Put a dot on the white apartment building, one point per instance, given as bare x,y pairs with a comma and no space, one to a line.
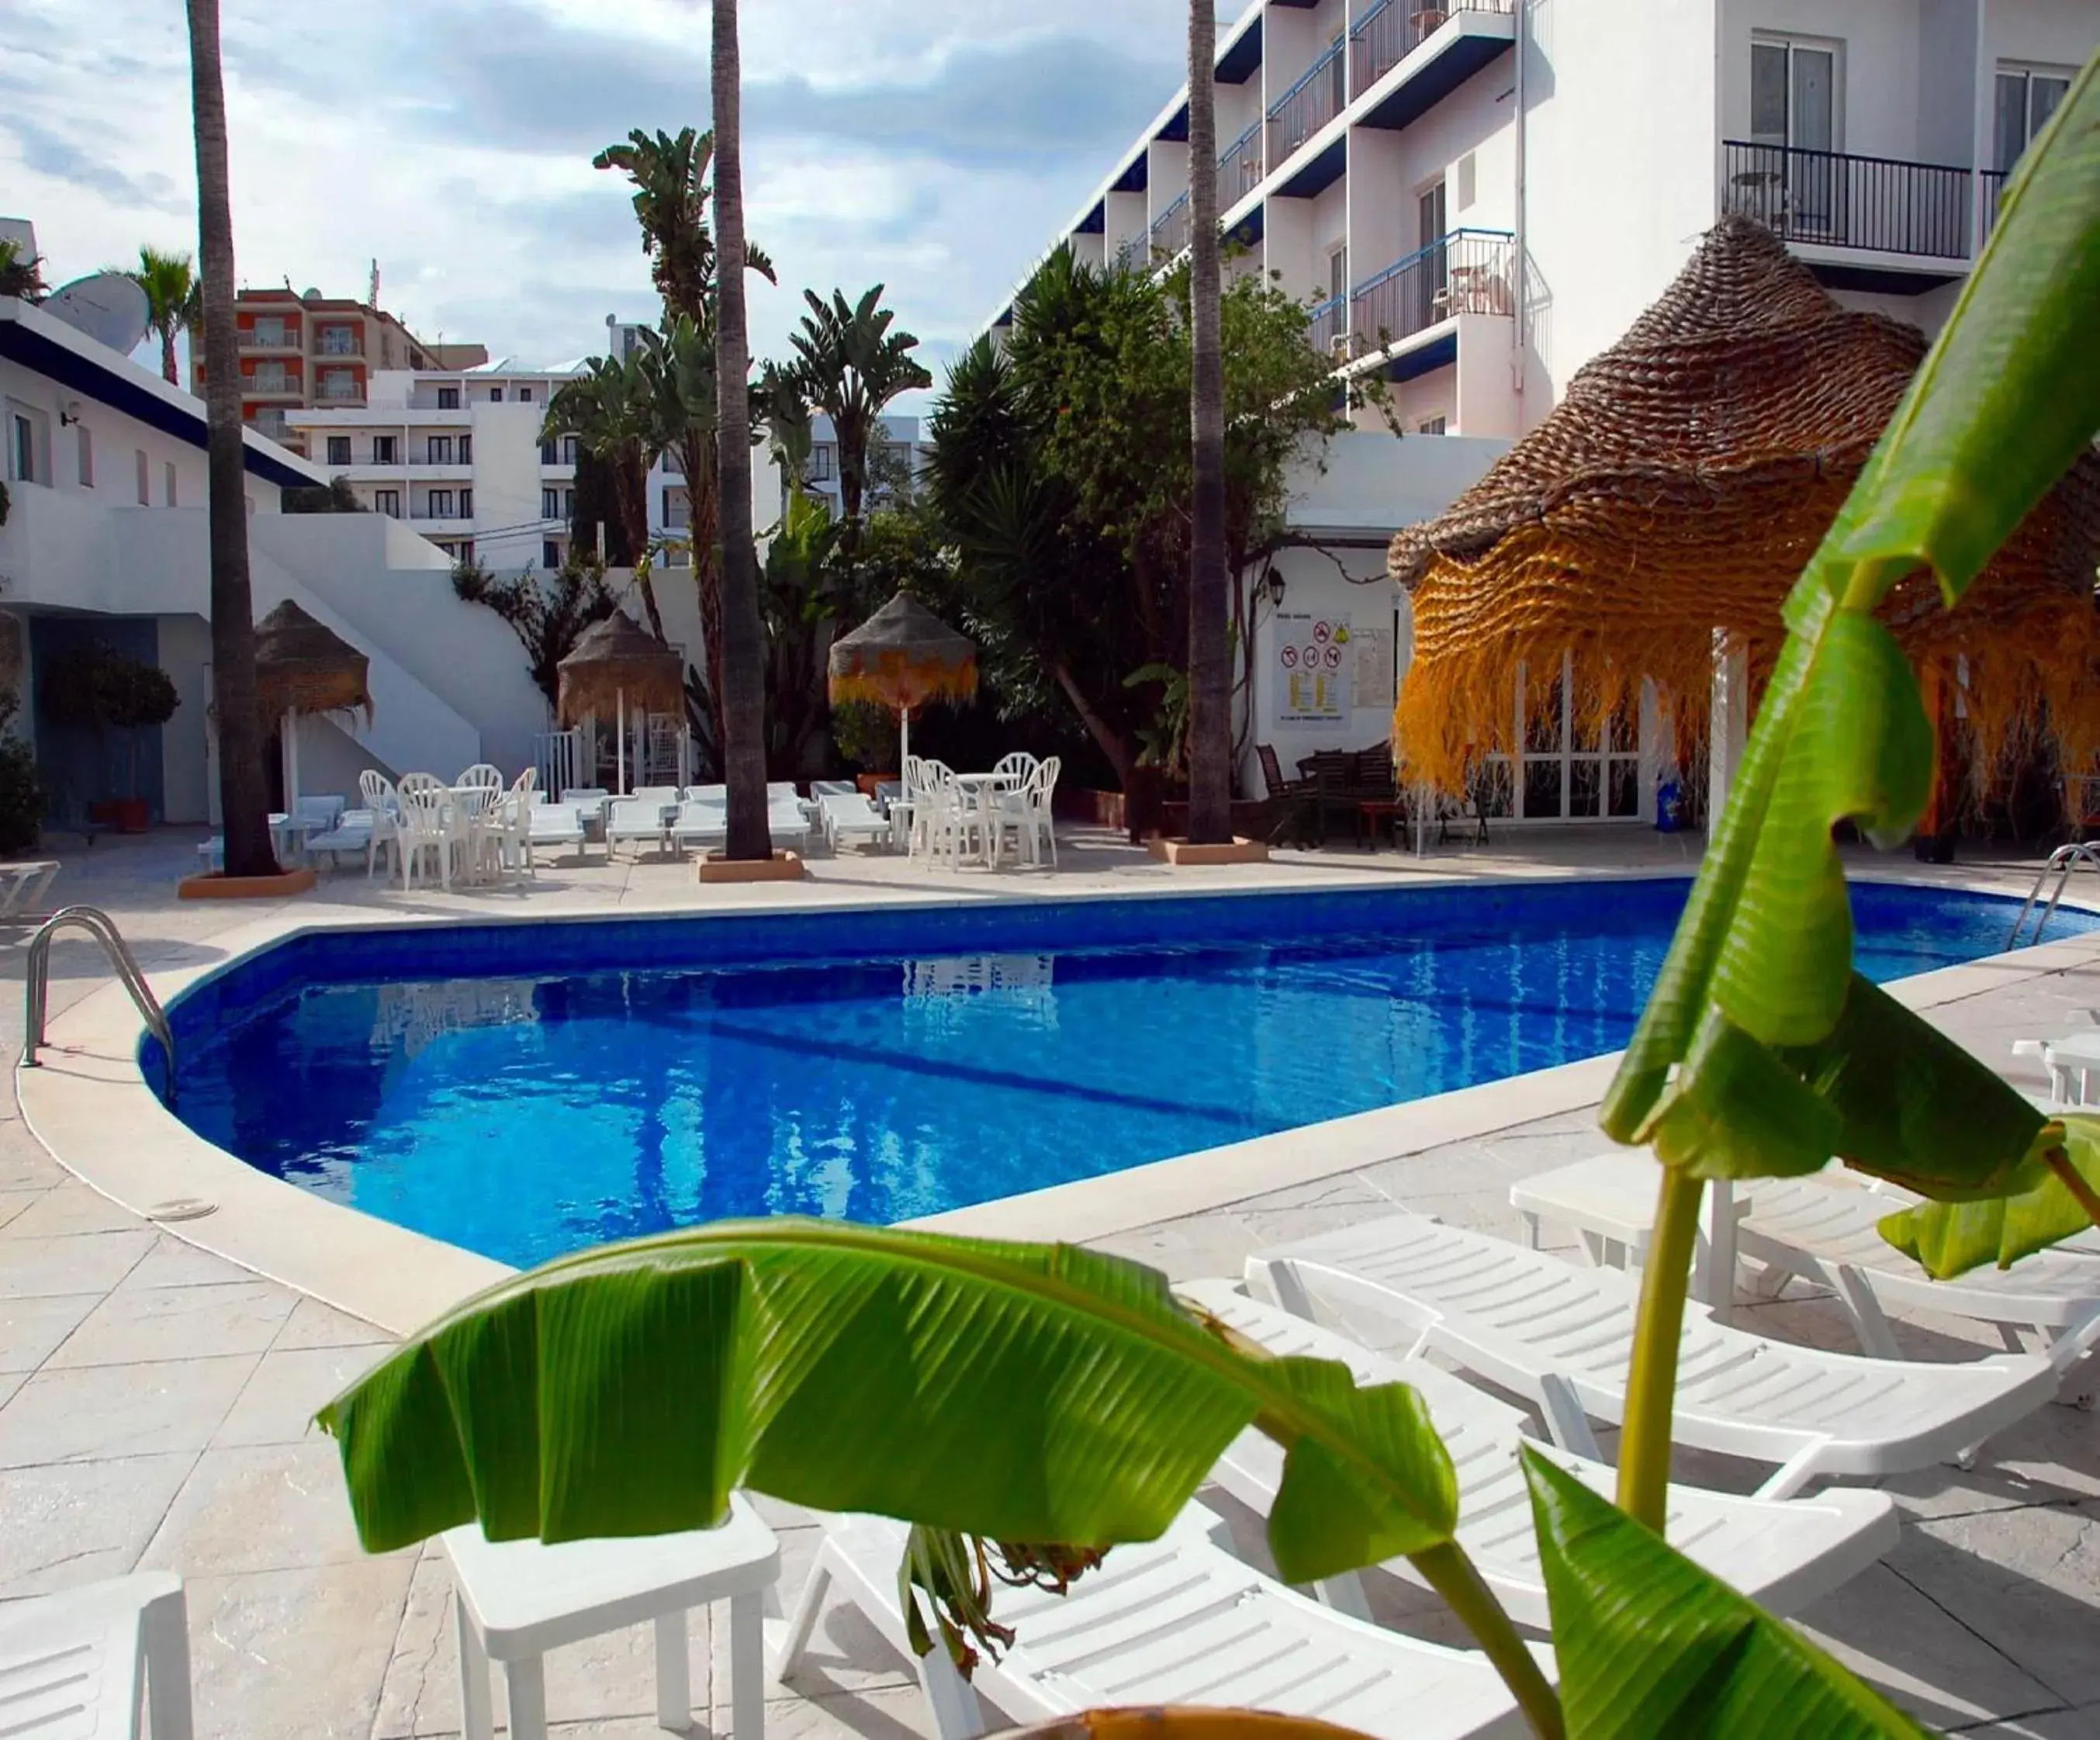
458,455
1475,197
897,453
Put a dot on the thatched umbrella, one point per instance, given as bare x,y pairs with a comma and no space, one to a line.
1679,488
612,660
304,666
903,656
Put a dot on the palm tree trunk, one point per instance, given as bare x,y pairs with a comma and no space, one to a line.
243,791
1210,649
743,650
168,355
852,471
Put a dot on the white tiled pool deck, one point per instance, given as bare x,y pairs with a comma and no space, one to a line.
154,1397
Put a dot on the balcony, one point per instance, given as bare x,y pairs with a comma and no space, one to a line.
1327,327
334,341
1391,30
1468,271
1306,106
1239,169
1994,182
1171,233
265,338
1831,199
1130,255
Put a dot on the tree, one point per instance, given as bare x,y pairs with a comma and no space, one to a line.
334,496
678,367
243,792
21,274
1210,684
671,195
174,301
851,365
743,676
610,409
548,616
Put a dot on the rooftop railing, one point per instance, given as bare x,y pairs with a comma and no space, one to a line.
1239,168
1468,271
1843,201
1391,30
1306,106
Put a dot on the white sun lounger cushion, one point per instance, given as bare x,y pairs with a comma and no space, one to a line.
1783,1554
1518,1318
1180,1621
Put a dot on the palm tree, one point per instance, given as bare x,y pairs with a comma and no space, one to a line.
1210,739
743,650
679,366
851,365
610,410
243,791
175,300
671,195
21,274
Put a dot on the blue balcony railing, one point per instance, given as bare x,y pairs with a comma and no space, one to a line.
1327,328
1468,271
1240,168
1391,30
1306,106
1171,231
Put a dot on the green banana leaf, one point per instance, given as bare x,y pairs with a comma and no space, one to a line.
1650,1647
1947,1239
1026,1392
2009,397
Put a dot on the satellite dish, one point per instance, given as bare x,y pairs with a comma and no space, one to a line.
109,307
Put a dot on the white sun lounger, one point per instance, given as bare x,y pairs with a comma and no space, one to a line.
787,823
700,825
849,816
554,826
73,1666
1522,1318
637,821
1175,1621
22,886
1782,1554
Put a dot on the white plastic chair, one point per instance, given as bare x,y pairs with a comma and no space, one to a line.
483,774
1783,1554
431,822
1175,1621
1024,812
2074,1054
507,832
85,1665
1524,1319
384,801
557,826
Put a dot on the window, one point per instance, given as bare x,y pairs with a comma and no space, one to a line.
22,447
338,383
1430,284
568,504
168,484
1572,769
550,554
550,504
269,377
466,550
448,399
84,440
674,510
568,450
1431,426
438,450
820,463
384,452
269,331
145,480
1794,105
496,395
338,450
467,504
386,501
465,450
340,341
548,451
440,504
2027,97
524,395
1468,182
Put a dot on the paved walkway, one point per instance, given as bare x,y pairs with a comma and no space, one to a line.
153,1403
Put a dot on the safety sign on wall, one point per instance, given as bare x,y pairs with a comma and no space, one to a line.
1314,660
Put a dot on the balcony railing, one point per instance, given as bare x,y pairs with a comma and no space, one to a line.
1994,182
1327,327
336,343
341,392
1391,30
1306,106
1172,231
1131,254
1465,272
264,338
1840,201
1239,169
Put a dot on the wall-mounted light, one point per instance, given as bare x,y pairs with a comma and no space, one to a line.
69,414
1273,581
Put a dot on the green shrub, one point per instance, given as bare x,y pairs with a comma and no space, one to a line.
21,797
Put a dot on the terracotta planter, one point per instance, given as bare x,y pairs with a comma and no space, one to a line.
127,815
868,782
782,866
1250,816
220,887
1239,851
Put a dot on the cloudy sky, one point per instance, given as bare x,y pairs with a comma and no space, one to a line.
933,145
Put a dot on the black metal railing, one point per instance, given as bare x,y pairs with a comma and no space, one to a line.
1841,200
1306,106
1239,168
1391,30
1994,182
1465,272
1172,231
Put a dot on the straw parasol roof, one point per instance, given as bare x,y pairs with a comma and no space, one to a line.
615,658
902,657
1679,488
304,666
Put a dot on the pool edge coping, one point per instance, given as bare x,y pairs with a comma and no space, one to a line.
93,1111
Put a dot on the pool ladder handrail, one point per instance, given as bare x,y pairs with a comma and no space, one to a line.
2062,862
103,928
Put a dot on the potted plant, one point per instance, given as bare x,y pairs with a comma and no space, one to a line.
101,689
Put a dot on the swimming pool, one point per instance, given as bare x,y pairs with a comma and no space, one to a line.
522,1090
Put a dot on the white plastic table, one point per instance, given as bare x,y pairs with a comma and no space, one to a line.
1610,1201
517,1599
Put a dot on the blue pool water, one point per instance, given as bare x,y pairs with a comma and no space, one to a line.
525,1090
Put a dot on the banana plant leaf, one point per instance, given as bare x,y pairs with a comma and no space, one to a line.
1650,1647
1947,1239
1020,1393
1757,996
